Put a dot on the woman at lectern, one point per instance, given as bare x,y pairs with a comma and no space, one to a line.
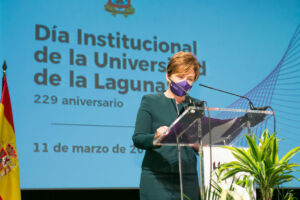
160,172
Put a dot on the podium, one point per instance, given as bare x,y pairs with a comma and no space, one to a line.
202,126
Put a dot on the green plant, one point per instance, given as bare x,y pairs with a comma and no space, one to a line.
288,195
239,187
262,162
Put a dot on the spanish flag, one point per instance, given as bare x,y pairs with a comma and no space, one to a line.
9,164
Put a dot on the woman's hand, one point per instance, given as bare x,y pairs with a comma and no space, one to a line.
195,147
160,131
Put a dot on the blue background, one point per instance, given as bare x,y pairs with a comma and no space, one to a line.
240,41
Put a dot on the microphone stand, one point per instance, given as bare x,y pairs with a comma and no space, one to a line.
250,104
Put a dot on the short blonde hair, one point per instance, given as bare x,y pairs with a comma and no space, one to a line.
183,62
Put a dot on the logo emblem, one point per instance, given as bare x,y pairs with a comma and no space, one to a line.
8,159
119,7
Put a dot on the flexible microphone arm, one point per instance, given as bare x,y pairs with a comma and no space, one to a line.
250,102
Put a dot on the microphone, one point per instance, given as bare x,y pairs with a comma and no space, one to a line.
250,102
195,104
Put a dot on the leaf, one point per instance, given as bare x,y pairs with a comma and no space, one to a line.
262,169
275,172
186,197
290,154
275,151
253,147
249,159
266,147
230,173
292,165
224,194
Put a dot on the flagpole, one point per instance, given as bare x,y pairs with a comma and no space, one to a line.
4,67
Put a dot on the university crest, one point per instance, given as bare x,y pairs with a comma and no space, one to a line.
119,7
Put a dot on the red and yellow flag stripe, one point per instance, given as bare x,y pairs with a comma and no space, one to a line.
9,164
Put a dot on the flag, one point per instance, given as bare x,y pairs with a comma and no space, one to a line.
9,164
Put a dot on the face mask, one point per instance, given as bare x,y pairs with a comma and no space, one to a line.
181,88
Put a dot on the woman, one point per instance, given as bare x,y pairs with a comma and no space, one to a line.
160,177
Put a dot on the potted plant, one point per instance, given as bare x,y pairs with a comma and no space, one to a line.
262,162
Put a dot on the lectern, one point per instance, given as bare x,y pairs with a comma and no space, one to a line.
195,126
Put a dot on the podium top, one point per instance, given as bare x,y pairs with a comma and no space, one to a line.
226,125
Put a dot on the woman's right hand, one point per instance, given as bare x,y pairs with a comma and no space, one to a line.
160,131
